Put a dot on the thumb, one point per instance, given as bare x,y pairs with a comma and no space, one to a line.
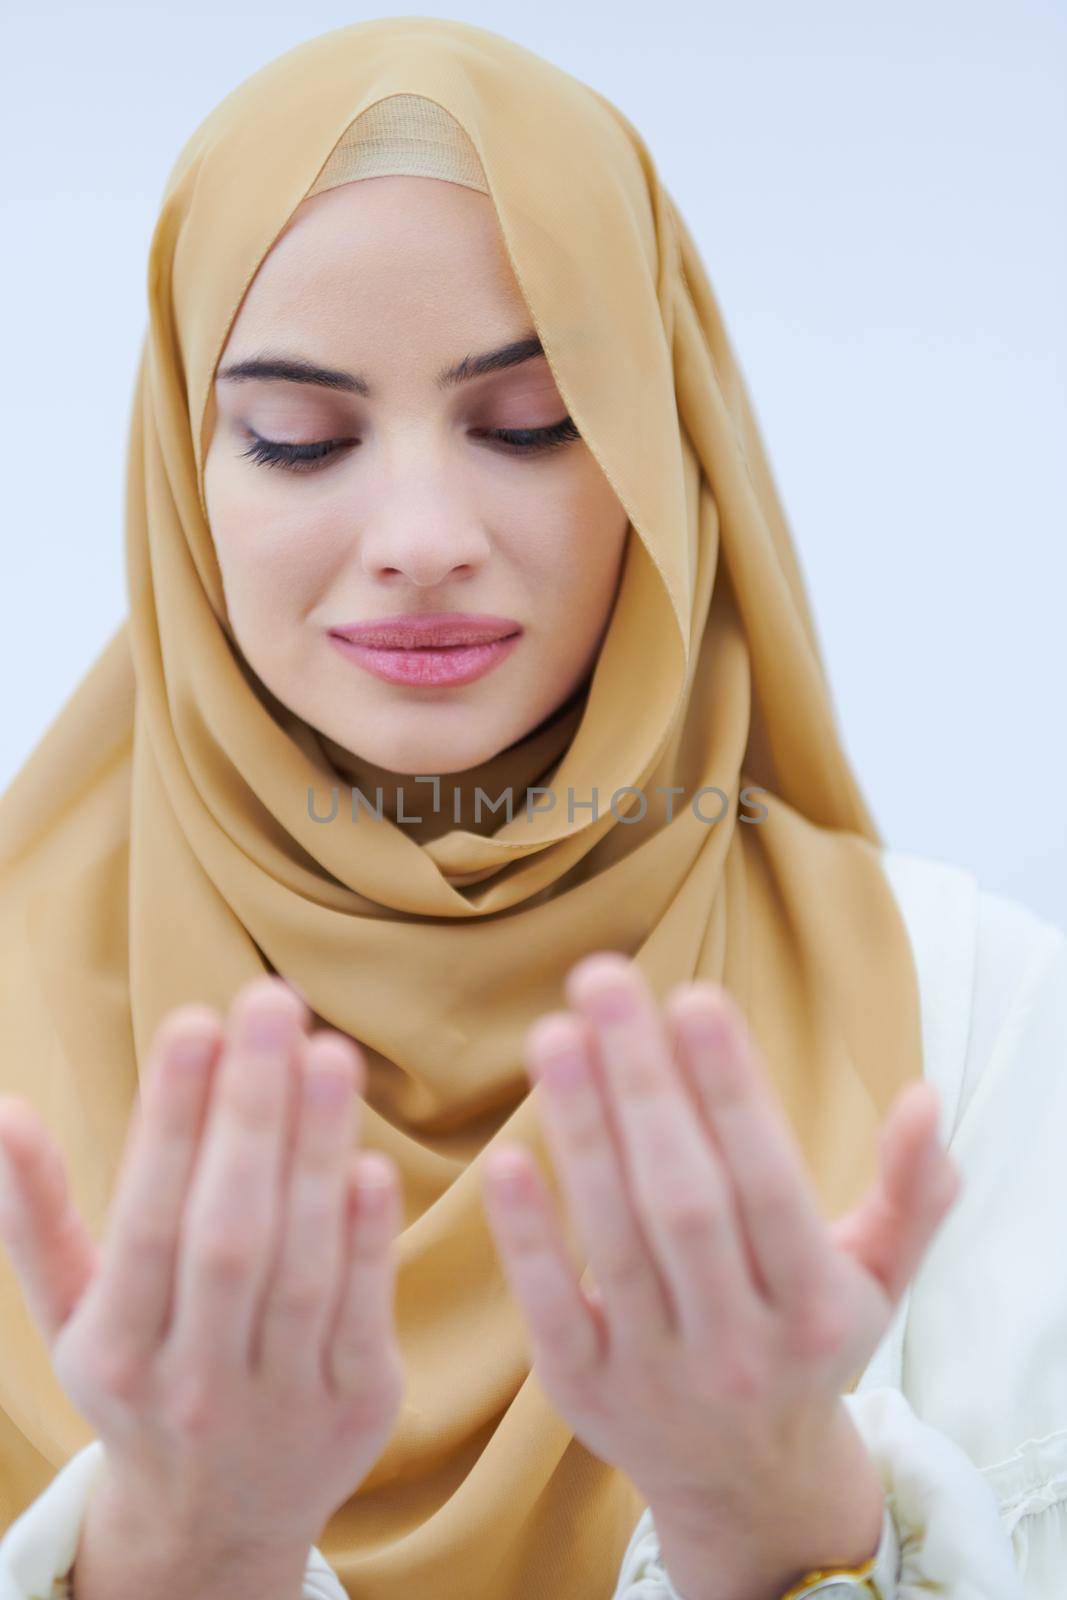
918,1182
47,1238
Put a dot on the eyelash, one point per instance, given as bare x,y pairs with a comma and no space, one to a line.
306,457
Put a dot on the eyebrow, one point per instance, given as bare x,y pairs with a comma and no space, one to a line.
295,369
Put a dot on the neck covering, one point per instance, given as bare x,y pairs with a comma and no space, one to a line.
157,846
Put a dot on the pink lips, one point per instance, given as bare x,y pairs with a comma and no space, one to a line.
431,648
415,629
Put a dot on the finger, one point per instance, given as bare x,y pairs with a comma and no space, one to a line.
302,1287
50,1245
891,1229
787,1239
360,1340
568,1335
132,1295
587,1156
234,1205
680,1189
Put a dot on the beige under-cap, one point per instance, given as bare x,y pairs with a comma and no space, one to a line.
405,133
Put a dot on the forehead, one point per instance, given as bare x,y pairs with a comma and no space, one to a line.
381,256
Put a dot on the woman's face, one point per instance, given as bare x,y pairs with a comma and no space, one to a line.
390,282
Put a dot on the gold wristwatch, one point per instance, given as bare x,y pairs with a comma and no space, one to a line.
876,1579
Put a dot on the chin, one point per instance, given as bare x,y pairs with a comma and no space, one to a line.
432,762
429,754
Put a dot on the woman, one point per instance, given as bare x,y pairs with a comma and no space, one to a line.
277,860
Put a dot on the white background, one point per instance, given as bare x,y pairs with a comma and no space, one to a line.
878,193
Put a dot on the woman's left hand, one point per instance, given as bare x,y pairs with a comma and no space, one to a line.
727,1317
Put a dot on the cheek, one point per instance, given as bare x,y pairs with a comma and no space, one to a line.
274,565
275,551
580,546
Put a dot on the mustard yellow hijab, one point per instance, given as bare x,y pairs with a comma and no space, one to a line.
157,846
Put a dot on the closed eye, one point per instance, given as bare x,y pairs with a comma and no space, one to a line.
308,457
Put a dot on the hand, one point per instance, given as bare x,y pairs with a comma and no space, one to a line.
708,1358
232,1340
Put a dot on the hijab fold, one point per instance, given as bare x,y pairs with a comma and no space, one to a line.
158,846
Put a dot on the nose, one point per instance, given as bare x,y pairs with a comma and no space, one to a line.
425,549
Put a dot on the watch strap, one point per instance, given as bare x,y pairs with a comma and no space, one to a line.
874,1579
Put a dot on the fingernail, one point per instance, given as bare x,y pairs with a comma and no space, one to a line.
563,1069
506,1171
611,1003
266,1030
327,1090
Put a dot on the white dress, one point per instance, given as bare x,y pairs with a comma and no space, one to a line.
964,1404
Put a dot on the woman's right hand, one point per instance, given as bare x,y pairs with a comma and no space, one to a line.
231,1341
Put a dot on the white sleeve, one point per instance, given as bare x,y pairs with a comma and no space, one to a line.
964,1404
38,1549
982,1356
941,1532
